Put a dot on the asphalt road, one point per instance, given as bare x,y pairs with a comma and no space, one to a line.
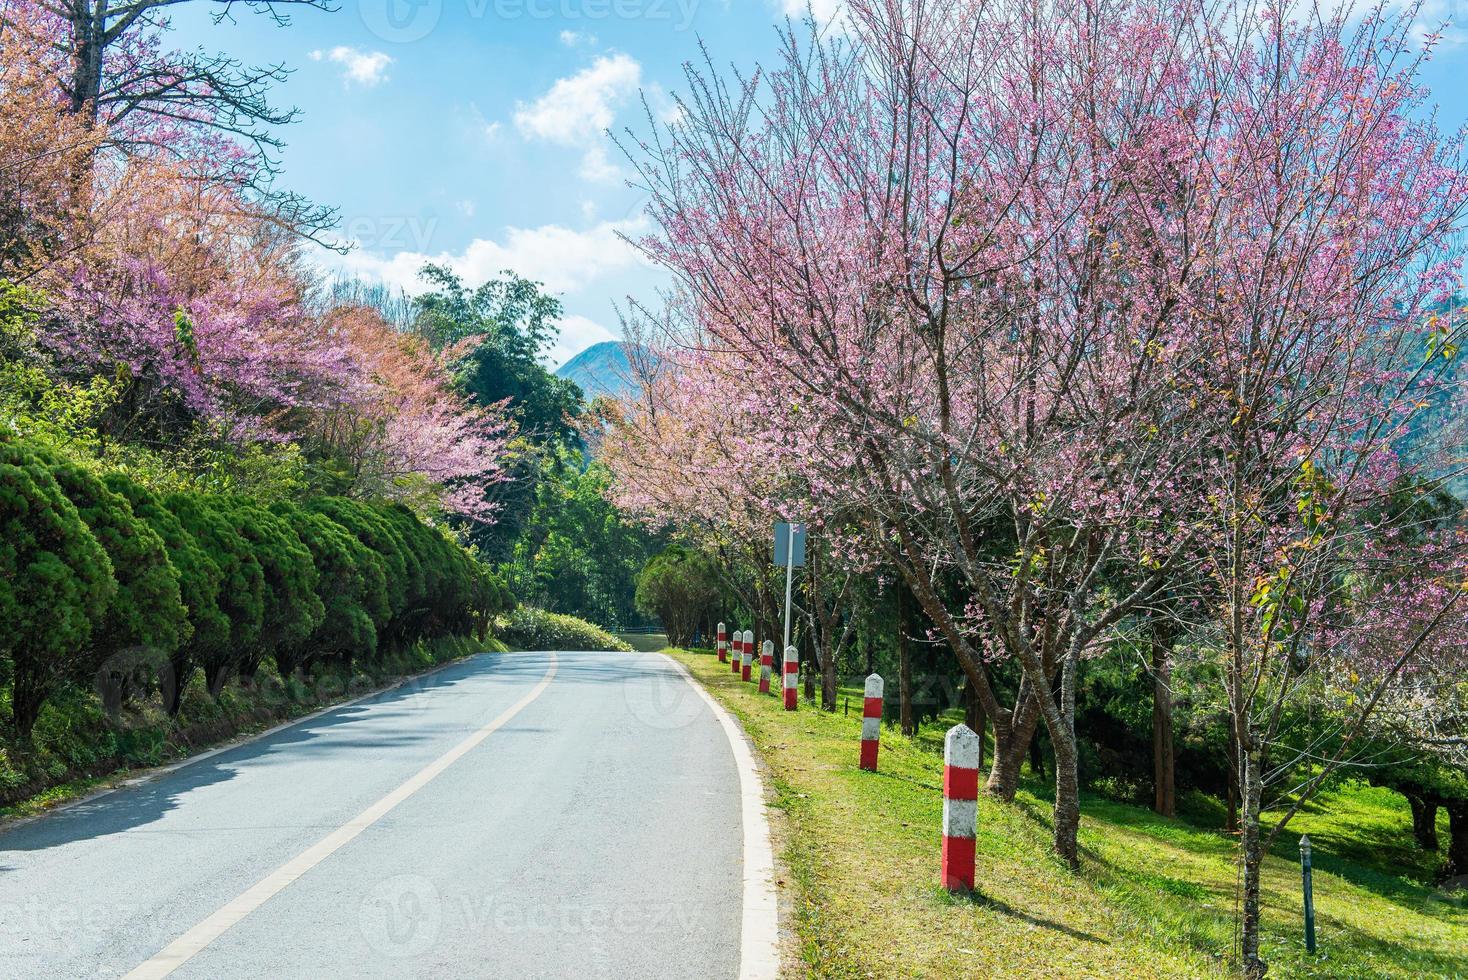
593,833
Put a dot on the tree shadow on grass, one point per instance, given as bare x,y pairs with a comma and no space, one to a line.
980,900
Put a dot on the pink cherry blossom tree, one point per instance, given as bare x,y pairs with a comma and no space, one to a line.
1062,299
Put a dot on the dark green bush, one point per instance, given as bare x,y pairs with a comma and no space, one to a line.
346,587
105,582
146,619
368,525
291,610
198,579
241,585
55,583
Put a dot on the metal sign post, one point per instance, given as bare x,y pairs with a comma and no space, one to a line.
1309,894
789,551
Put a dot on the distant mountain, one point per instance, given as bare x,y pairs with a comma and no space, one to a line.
601,369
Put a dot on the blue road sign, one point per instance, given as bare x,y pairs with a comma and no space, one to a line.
782,544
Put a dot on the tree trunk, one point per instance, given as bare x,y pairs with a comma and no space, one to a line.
1424,822
1013,739
828,680
1037,759
904,663
974,718
25,705
1067,811
1252,792
1457,839
809,671
1164,775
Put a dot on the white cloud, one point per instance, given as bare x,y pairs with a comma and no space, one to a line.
366,68
465,207
578,110
577,333
564,259
575,39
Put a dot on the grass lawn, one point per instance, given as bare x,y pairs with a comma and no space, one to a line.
1154,898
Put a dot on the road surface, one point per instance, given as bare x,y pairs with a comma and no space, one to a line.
515,815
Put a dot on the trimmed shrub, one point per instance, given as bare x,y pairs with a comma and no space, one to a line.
241,585
291,610
345,584
145,619
55,583
369,527
198,579
528,628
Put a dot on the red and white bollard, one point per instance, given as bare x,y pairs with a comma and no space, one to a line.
736,642
792,676
723,645
960,807
766,665
747,647
871,722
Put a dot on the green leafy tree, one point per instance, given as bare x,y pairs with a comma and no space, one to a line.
682,588
578,555
199,579
55,584
497,335
146,619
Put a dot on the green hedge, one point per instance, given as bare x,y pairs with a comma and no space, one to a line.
528,628
104,584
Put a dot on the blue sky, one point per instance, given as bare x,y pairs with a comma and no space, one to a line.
471,131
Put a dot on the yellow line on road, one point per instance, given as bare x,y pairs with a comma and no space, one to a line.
185,947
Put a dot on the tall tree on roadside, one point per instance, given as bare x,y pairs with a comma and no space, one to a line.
495,337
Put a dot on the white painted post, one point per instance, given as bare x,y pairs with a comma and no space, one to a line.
723,645
792,676
960,807
766,665
871,722
747,648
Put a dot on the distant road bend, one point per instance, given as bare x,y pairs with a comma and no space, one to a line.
513,815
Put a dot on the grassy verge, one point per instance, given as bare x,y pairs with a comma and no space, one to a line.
1154,898
77,748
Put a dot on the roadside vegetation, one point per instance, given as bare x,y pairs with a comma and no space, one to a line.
529,628
1154,897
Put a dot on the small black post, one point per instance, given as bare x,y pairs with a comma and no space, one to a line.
1309,894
